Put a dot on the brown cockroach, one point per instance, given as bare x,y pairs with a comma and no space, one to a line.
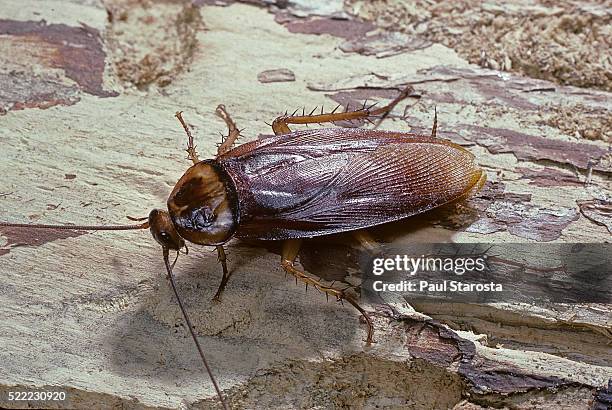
302,184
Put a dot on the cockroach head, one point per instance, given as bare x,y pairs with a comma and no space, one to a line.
163,231
203,205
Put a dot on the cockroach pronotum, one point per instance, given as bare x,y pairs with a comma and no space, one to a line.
301,184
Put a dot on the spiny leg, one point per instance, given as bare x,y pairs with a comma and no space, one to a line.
232,132
191,151
434,129
367,242
281,124
370,244
289,254
226,274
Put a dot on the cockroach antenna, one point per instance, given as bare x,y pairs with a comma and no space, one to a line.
190,326
78,227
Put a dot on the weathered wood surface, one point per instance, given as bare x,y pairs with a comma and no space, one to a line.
87,135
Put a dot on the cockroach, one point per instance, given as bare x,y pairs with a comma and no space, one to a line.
295,185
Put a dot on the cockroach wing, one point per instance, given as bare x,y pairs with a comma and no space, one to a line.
321,182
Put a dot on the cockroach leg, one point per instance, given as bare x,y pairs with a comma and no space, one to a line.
434,129
289,254
367,242
281,124
280,127
370,338
232,131
226,274
192,155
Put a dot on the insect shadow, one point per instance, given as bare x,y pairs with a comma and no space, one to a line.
255,321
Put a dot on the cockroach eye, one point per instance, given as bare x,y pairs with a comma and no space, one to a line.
204,204
163,231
